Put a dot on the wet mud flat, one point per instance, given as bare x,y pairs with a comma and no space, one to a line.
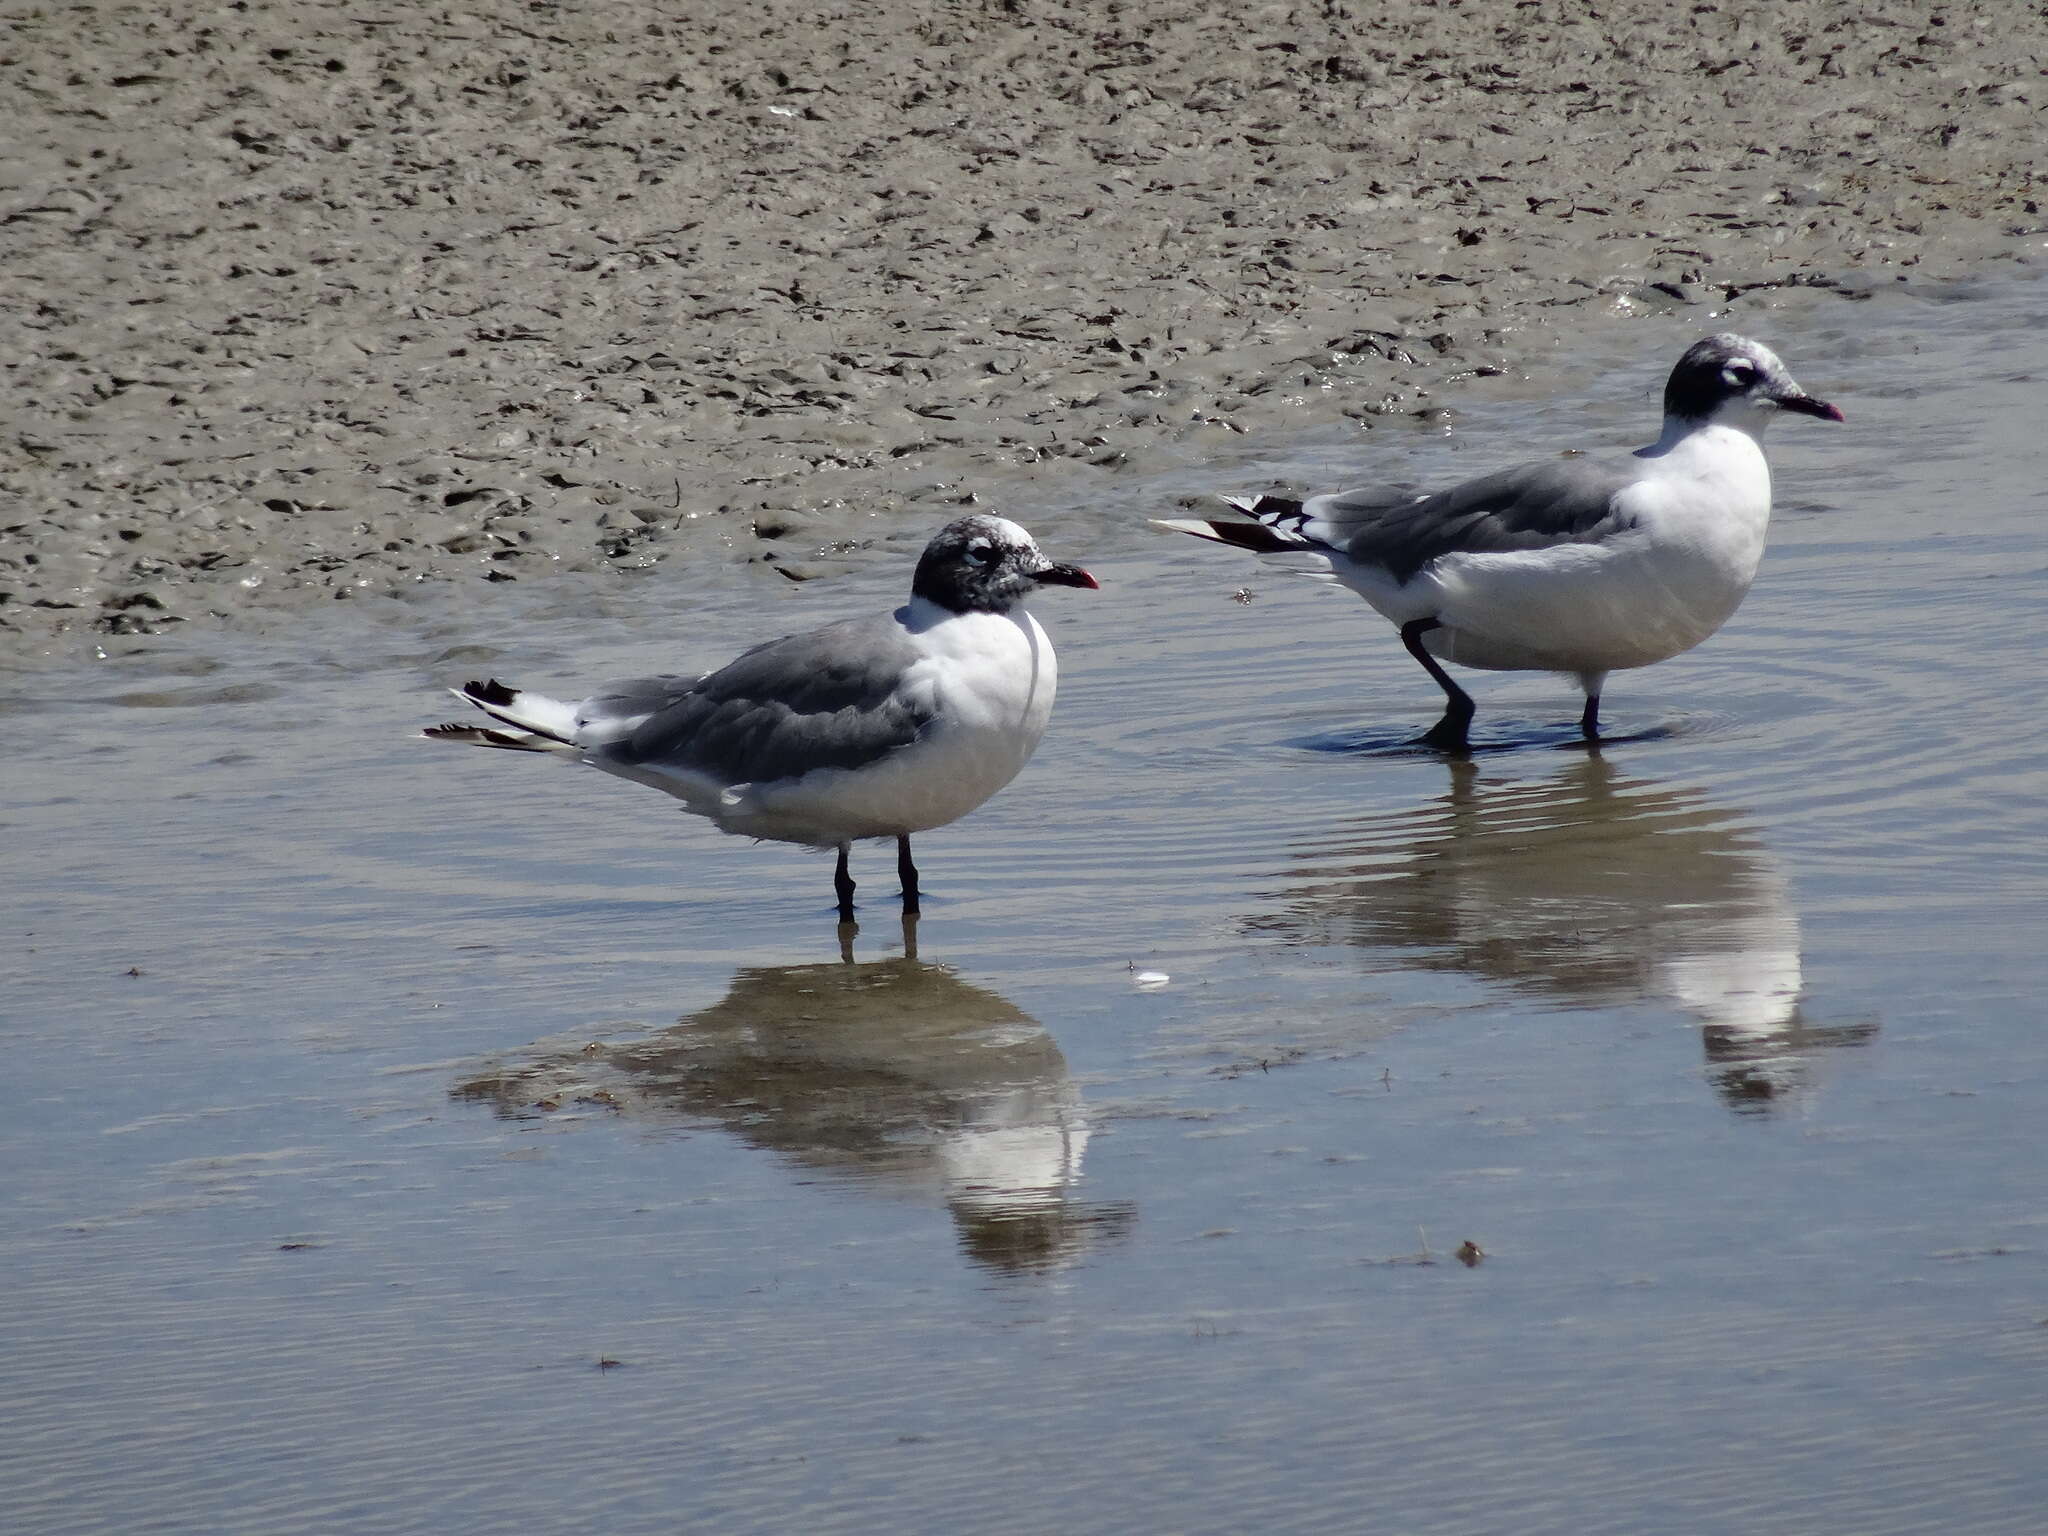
489,1147
307,303
409,1143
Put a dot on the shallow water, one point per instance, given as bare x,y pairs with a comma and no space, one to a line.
416,1140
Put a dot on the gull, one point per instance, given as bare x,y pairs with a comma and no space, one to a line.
871,728
1569,565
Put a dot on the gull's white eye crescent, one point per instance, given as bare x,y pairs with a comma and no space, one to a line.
978,551
1739,375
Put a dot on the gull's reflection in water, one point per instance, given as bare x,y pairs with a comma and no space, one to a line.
891,1074
1588,889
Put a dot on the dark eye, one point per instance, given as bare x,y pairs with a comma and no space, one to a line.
1740,375
979,552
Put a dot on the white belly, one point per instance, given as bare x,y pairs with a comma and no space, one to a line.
1633,599
990,679
1627,603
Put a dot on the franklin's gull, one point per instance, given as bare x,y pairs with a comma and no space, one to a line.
875,727
1570,565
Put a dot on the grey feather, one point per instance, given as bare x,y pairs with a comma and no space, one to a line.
1566,501
827,699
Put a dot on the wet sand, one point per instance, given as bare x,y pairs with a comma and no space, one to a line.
452,1143
308,302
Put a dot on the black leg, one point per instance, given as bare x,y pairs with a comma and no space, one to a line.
1449,734
908,872
842,882
1589,722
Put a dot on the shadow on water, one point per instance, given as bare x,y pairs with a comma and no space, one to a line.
891,1074
1585,889
1510,736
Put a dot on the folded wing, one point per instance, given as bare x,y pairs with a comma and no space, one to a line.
1565,501
833,698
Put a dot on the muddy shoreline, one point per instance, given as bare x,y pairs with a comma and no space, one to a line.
306,301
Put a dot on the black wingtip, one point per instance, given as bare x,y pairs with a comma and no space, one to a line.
482,736
491,692
1266,506
1256,537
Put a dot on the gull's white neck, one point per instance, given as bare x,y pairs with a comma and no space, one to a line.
921,614
1706,485
1723,455
1733,420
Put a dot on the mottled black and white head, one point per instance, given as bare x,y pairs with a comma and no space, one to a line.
987,565
1733,379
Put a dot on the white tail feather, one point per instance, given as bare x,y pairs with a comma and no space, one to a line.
1194,525
529,711
1264,537
491,736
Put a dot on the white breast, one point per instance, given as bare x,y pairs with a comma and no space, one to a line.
1702,510
990,681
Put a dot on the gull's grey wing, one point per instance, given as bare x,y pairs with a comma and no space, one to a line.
1565,501
827,699
634,698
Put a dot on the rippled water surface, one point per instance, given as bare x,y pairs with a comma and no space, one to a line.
406,1139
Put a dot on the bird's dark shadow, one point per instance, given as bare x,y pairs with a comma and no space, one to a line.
1506,736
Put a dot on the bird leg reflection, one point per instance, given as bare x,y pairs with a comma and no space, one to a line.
850,930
